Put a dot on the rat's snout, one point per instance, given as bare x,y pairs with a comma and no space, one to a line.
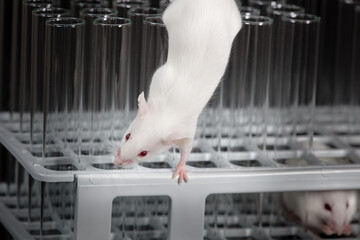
119,160
338,228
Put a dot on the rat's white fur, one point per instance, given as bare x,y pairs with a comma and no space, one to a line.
309,207
201,33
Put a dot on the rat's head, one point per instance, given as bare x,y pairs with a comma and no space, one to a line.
148,135
337,208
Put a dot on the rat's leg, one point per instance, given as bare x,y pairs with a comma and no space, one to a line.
327,230
347,230
181,170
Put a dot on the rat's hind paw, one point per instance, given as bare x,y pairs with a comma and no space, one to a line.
181,171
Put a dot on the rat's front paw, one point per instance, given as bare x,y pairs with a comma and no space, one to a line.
181,171
347,230
327,230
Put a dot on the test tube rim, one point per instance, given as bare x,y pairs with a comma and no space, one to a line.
126,23
112,12
61,12
255,11
311,18
53,22
264,20
146,21
132,13
281,12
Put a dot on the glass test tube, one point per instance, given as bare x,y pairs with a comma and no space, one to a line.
325,86
63,79
90,81
2,40
300,59
25,53
39,16
276,11
247,82
5,53
137,16
355,75
76,6
123,6
154,50
256,76
111,72
15,57
343,57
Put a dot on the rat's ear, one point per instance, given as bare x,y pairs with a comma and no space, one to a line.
142,104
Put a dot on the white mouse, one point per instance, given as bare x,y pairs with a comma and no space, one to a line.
328,212
200,33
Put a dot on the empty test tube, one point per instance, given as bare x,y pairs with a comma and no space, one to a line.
247,83
123,6
15,57
137,16
111,61
300,43
344,52
329,20
154,50
39,16
2,40
276,89
5,43
355,74
90,14
25,56
63,79
90,103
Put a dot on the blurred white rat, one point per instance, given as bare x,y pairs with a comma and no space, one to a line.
328,212
201,33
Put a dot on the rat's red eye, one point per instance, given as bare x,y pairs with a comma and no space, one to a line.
347,205
127,136
143,154
327,207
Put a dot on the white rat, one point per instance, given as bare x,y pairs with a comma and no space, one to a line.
201,33
329,212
